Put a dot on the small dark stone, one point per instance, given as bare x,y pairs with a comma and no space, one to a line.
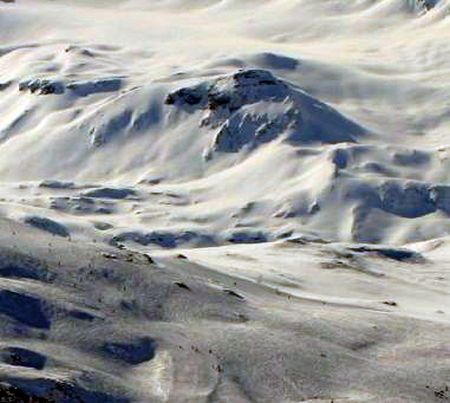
109,256
149,259
233,294
182,285
82,315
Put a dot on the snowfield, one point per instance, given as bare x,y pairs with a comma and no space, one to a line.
225,200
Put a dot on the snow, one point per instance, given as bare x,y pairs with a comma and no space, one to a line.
225,200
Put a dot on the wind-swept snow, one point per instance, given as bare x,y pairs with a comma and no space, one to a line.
225,200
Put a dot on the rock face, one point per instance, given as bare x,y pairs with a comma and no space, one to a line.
134,352
424,4
25,309
165,239
252,107
48,225
42,87
110,193
86,88
22,357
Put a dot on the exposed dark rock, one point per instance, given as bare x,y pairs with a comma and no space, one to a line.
410,200
234,294
182,285
82,315
86,88
42,87
45,390
399,254
53,184
164,239
11,394
5,85
22,357
24,308
247,237
48,225
189,96
110,193
426,4
17,265
109,256
133,352
82,205
252,107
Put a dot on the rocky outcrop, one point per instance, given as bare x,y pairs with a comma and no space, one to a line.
252,107
425,4
42,86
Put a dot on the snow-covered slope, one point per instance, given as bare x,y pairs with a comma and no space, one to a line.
355,125
206,127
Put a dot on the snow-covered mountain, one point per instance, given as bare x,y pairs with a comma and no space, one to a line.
278,149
